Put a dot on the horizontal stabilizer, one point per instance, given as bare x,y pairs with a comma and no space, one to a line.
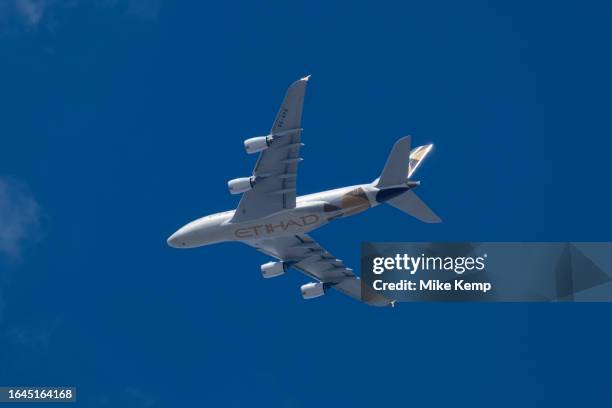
411,204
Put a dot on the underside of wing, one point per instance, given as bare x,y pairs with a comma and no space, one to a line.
307,256
274,176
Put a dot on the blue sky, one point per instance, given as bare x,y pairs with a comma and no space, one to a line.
123,119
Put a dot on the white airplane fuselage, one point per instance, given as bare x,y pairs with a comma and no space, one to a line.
311,212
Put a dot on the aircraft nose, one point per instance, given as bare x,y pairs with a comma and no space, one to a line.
175,240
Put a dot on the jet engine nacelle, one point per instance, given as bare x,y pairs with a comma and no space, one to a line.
273,269
313,289
240,185
257,144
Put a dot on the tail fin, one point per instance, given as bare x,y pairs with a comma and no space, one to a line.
411,204
398,162
417,155
401,165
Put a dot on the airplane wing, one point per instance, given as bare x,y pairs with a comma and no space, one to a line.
308,257
276,168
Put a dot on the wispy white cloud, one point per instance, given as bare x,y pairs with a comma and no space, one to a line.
32,14
17,16
19,217
32,11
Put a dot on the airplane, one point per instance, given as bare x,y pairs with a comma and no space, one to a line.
272,219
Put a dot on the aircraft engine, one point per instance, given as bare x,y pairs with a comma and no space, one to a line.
273,269
313,289
240,185
257,144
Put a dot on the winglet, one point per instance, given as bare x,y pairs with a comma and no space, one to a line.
306,78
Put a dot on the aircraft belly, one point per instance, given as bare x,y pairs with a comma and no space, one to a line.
353,201
289,223
312,212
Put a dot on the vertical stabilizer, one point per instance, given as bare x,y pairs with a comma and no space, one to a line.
417,155
398,162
